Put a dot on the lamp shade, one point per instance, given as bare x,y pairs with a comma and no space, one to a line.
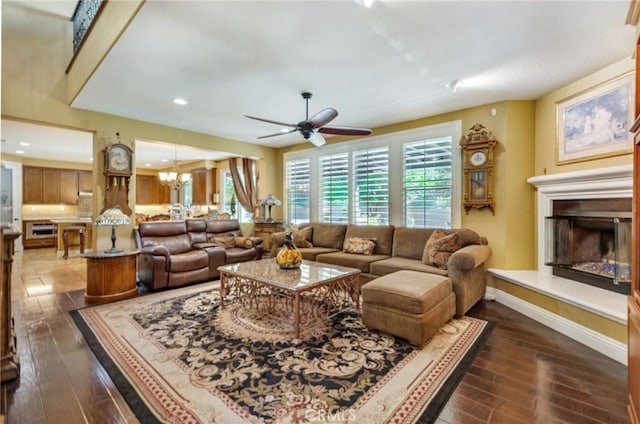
113,216
270,200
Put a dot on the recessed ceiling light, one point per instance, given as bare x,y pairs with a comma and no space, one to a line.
20,152
164,160
24,143
147,164
180,101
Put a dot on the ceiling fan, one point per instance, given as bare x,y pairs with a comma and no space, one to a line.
313,128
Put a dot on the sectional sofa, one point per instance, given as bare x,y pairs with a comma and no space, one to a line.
396,249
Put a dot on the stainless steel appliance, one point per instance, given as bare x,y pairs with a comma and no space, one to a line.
40,230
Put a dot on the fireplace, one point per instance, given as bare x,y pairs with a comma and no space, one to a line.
584,226
589,240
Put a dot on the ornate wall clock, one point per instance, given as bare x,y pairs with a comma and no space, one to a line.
477,148
118,168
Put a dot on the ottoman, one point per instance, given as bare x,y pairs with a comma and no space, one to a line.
408,304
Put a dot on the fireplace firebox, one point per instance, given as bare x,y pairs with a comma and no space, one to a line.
590,241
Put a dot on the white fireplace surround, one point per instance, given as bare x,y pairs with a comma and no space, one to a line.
601,183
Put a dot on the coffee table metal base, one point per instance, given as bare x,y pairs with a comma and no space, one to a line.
318,302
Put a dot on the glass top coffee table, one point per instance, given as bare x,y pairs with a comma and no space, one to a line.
313,291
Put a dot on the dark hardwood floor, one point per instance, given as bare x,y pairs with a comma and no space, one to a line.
526,373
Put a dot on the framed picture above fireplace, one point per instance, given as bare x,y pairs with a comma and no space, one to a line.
595,123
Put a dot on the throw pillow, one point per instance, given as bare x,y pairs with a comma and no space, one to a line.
302,238
224,241
359,245
439,249
245,242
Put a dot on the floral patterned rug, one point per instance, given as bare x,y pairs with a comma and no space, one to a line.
177,357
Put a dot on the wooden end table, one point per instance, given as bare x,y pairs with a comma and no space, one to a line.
111,276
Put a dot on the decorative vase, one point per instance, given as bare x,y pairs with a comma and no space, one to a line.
289,257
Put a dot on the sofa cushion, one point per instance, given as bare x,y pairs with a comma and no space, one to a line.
239,254
302,238
467,236
382,234
328,235
410,242
245,242
398,263
439,249
351,260
359,245
188,261
310,253
225,241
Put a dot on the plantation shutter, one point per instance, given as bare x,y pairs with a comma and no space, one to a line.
371,187
298,179
334,188
427,183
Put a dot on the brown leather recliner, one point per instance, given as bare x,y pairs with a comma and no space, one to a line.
171,257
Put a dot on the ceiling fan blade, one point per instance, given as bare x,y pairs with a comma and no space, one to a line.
286,124
323,117
317,139
279,133
345,130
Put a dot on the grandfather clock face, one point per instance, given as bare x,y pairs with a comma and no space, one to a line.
118,160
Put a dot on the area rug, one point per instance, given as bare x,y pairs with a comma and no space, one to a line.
177,357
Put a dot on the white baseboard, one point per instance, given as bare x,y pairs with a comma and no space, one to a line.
597,341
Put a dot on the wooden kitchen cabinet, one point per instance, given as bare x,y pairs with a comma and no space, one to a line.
68,186
32,191
50,186
85,181
149,191
53,185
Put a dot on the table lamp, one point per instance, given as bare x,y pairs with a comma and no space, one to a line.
270,201
113,217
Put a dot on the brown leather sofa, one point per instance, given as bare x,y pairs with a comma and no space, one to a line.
177,253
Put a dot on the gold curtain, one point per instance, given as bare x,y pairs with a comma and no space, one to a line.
247,190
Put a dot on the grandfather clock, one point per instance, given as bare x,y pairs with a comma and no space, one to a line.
477,148
118,168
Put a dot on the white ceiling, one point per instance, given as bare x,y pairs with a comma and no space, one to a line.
377,66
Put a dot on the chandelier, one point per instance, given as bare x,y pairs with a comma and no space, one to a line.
175,179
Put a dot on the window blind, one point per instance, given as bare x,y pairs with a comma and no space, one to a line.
371,187
427,183
334,188
298,179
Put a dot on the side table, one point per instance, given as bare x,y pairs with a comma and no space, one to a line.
111,276
264,229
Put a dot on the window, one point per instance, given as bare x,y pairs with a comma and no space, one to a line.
230,202
298,183
334,188
427,183
371,187
408,178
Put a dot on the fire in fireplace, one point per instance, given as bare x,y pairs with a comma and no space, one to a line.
590,241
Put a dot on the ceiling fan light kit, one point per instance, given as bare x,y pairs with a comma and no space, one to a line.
313,128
